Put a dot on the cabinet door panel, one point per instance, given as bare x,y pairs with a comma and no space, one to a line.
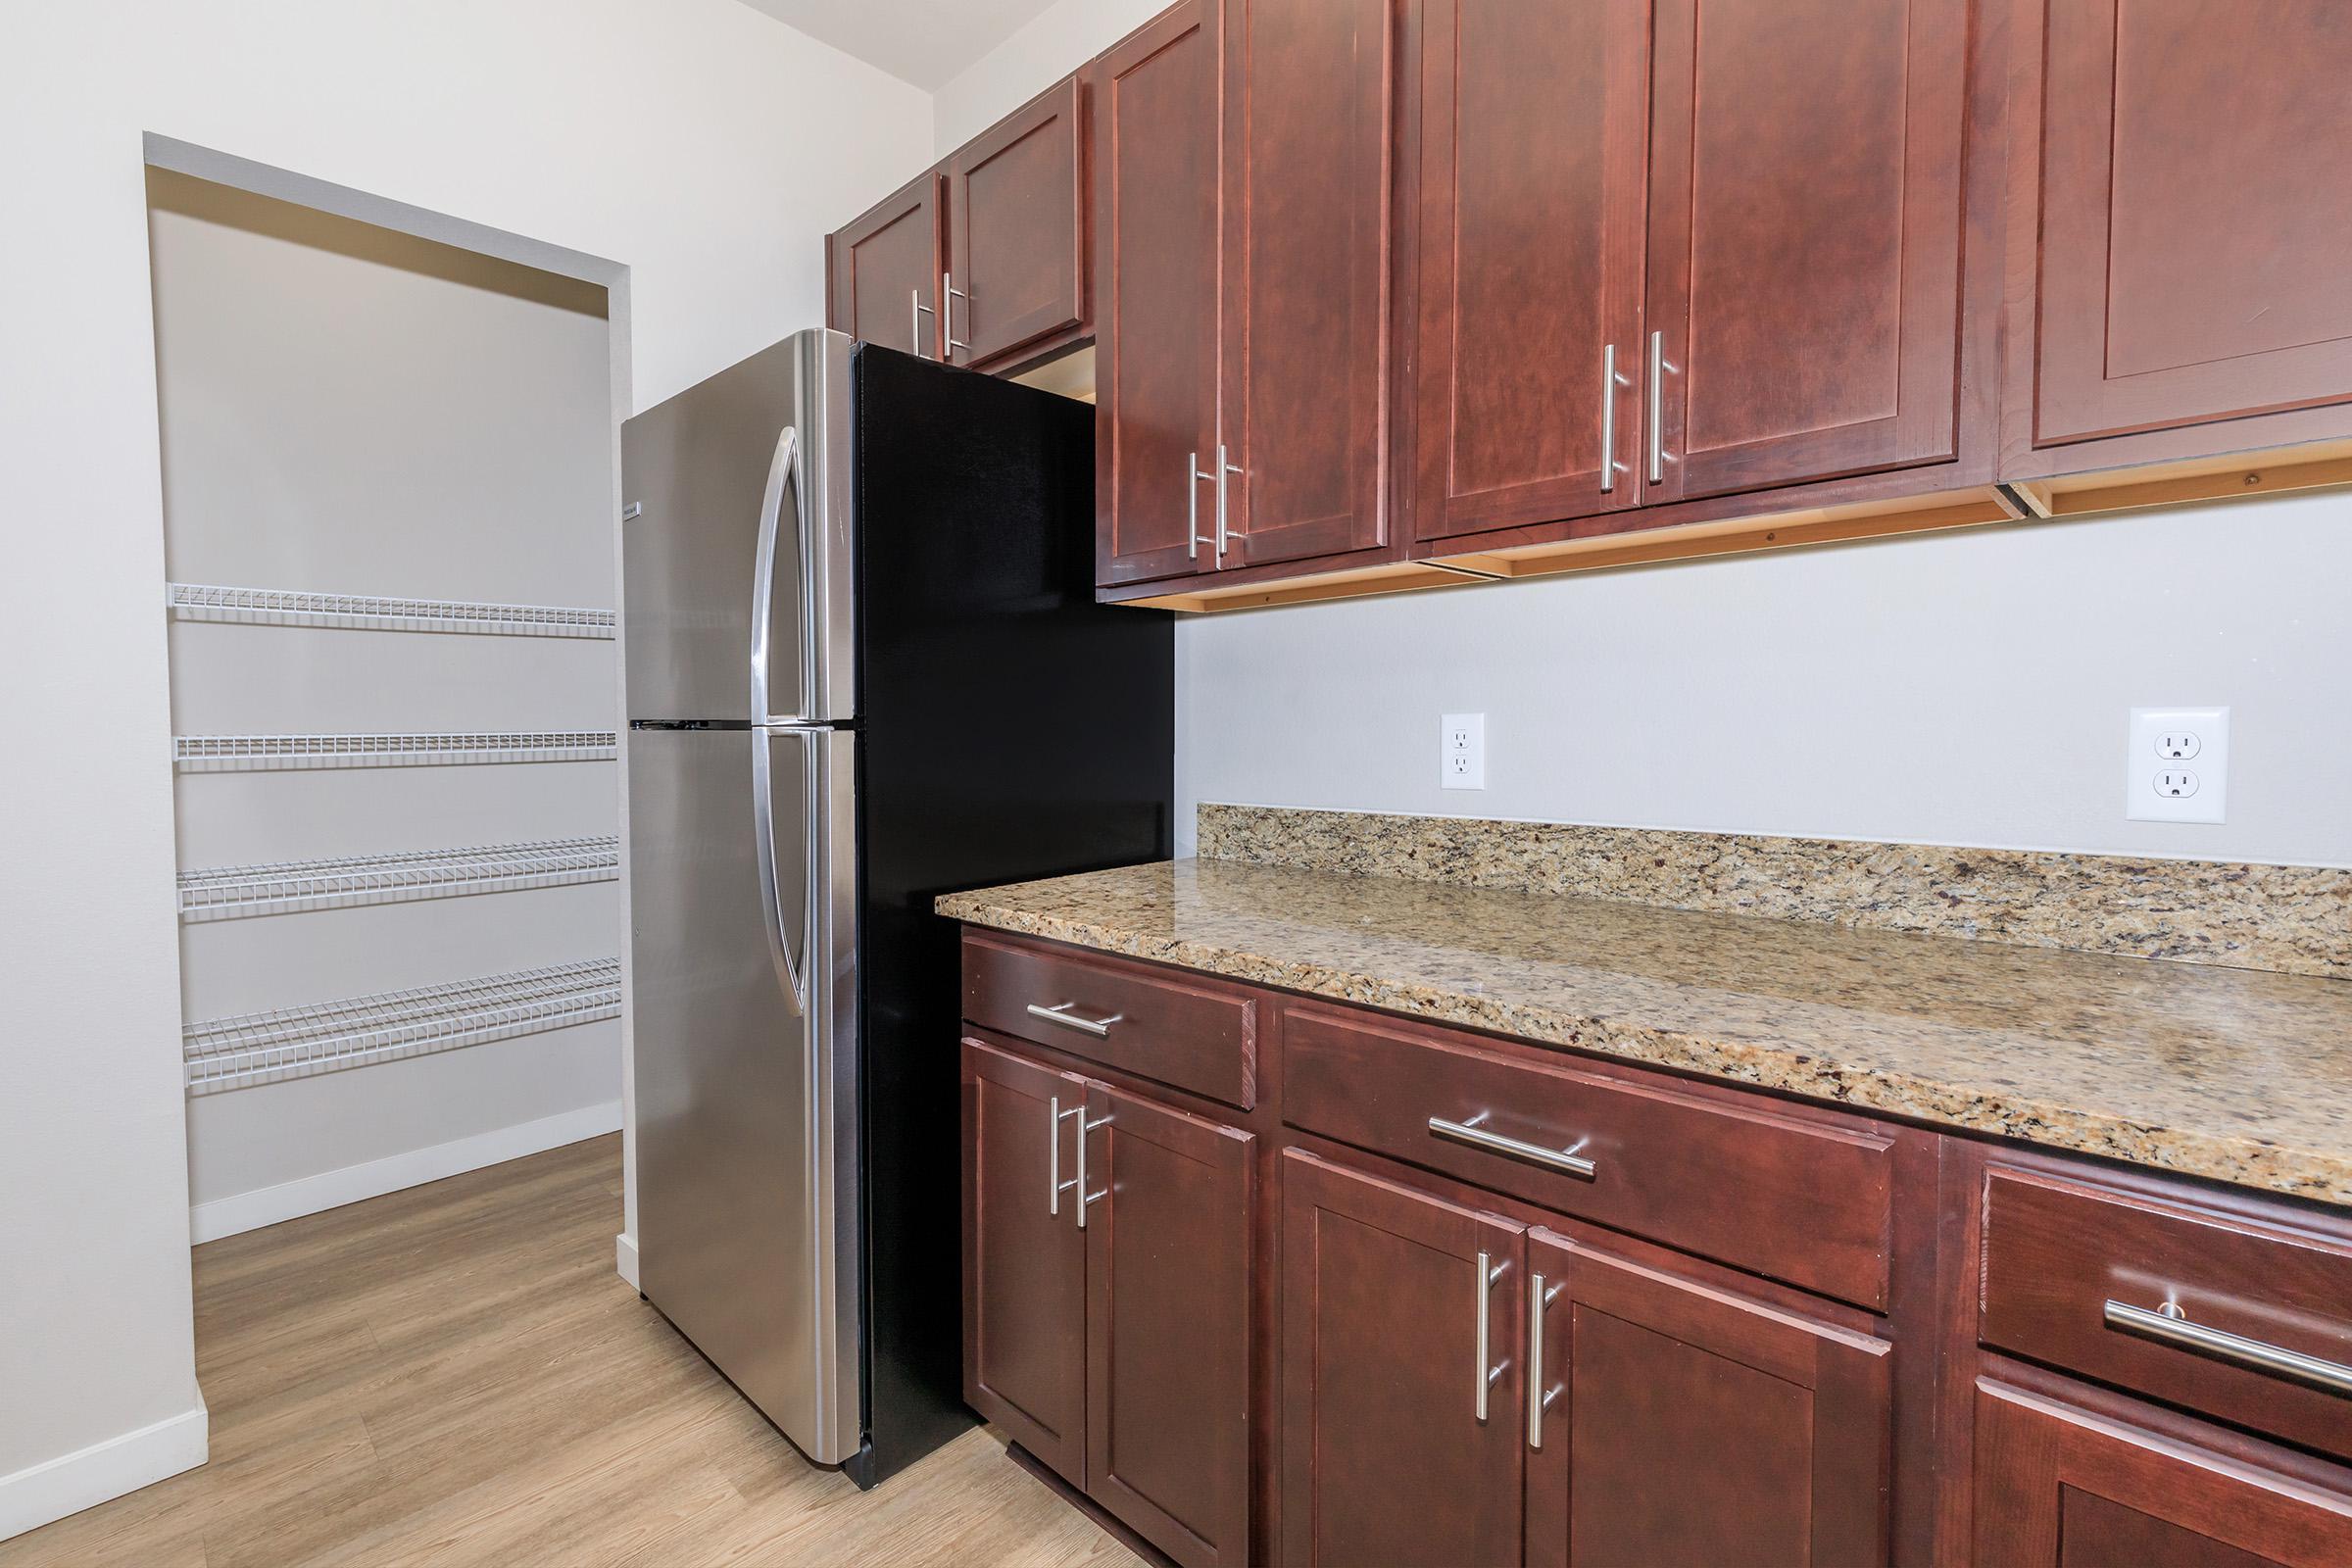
1687,1425
1157,196
886,272
1168,1327
2191,268
2060,1487
1024,1265
1806,238
1534,125
1016,223
1384,1459
1309,97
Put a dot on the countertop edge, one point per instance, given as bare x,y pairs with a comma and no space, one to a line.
2256,1165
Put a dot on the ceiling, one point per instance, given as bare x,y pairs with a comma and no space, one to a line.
921,41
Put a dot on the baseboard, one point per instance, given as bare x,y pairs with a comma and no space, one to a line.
87,1477
624,1257
268,1205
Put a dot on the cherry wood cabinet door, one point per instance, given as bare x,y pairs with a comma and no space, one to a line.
1167,1265
1156,234
2062,1488
1024,1256
886,270
1806,225
1387,1457
1016,230
1681,1424
2197,227
1535,124
1310,95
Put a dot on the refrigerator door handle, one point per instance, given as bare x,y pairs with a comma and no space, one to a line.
783,472
792,969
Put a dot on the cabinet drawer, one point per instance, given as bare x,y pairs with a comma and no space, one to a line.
1197,1036
2058,1252
1805,1201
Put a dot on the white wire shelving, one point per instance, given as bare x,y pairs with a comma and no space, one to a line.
290,607
291,886
241,754
259,1048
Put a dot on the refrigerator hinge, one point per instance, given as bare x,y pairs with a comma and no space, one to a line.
629,513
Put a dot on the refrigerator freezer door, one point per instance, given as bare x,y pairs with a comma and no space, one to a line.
745,1095
736,564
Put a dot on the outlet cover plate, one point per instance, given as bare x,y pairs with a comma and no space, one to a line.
1462,752
2177,765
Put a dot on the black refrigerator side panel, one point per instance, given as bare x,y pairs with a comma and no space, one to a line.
1013,729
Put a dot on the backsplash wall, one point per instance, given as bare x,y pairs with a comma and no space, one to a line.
1967,688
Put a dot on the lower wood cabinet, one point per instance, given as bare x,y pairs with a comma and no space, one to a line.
1680,1423
2060,1486
1107,1296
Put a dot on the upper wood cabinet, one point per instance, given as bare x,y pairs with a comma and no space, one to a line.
1806,225
2182,163
1310,89
1532,159
886,268
1157,237
1016,272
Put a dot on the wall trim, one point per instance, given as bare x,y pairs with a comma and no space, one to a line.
269,1206
41,1494
624,1257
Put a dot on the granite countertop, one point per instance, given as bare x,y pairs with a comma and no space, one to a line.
2238,1075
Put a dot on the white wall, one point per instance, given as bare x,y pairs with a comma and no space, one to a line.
699,144
1059,39
1964,688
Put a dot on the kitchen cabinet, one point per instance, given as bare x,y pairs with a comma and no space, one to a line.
1107,1278
2188,245
1401,1321
1532,168
2060,1487
885,272
1158,225
1805,240
1016,276
1309,99
1680,1423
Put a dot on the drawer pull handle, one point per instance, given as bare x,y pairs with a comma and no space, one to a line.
1477,1137
2171,1327
1066,1014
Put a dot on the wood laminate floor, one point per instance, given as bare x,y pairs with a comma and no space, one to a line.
454,1375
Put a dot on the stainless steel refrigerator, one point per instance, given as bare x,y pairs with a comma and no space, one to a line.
864,666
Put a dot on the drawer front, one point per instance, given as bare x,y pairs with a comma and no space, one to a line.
1200,1037
1801,1202
2058,1252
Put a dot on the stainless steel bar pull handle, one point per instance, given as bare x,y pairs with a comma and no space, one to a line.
1489,1271
1083,1196
1191,506
2171,1326
915,316
1657,405
949,294
1476,1136
1225,470
1610,381
1054,1185
1061,1012
1539,1397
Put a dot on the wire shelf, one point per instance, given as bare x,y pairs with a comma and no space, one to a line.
259,1048
222,754
291,886
287,607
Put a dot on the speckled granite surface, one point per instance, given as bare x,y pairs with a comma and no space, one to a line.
2234,1074
2294,920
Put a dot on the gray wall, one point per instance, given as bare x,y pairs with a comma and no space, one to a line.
1963,688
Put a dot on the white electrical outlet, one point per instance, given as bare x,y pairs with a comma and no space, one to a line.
2177,766
1462,752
